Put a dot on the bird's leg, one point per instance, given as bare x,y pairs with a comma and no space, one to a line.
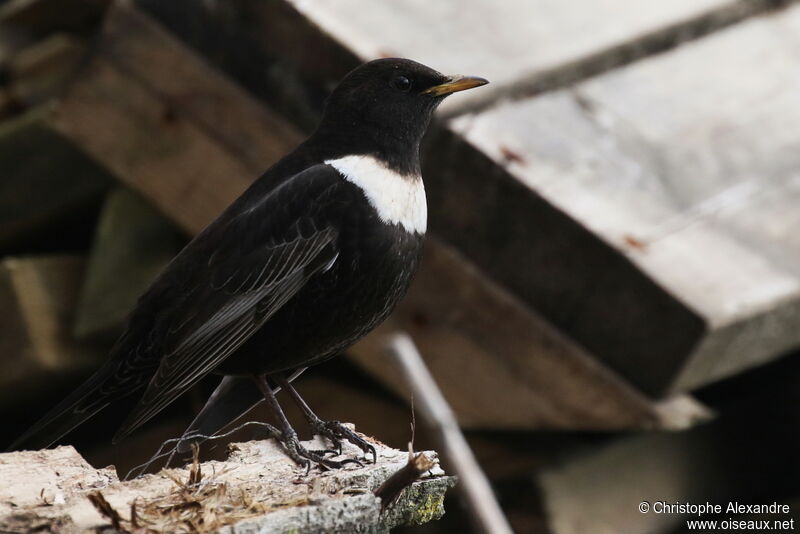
333,430
288,437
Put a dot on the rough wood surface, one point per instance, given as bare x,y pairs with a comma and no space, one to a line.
256,489
654,206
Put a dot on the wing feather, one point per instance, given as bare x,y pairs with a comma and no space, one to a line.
245,311
246,281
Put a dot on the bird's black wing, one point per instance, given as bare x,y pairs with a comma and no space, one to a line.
211,298
260,259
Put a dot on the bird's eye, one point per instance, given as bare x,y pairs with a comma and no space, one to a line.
401,83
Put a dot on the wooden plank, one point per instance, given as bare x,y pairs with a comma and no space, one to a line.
141,48
496,41
40,70
33,193
270,48
652,208
489,352
132,244
168,138
38,295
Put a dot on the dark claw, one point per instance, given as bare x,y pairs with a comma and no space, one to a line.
305,457
336,432
325,452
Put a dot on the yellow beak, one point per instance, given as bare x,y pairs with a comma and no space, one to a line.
455,84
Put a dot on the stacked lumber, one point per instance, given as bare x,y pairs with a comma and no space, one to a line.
612,220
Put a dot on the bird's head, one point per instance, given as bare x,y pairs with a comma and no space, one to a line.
390,101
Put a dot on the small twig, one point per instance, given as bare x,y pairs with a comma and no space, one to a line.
418,464
107,511
442,421
195,473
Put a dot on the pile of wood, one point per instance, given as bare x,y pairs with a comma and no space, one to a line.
613,219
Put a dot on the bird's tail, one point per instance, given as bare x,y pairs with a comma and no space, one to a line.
79,406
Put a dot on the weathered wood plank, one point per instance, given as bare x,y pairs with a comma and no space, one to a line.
166,136
132,244
498,41
138,46
651,206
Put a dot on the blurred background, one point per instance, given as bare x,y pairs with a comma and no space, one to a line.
610,292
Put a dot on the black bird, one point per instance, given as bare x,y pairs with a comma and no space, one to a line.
310,258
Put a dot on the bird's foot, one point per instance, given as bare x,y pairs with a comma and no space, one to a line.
308,458
336,432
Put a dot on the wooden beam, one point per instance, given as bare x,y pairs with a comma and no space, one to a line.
191,141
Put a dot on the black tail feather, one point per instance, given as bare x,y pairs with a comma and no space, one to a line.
86,401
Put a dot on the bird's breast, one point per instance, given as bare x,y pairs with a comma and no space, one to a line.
398,199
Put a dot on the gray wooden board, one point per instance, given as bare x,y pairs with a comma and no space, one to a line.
498,40
685,166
